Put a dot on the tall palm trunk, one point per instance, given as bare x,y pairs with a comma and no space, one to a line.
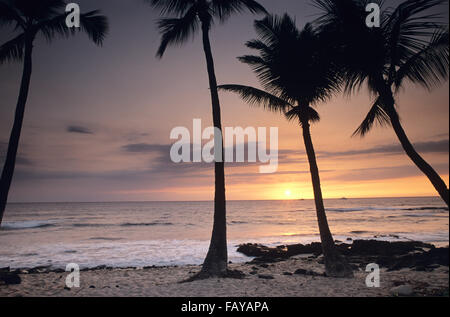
217,258
426,168
10,162
335,263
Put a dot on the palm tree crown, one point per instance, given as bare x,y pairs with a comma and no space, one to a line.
191,14
292,66
410,45
43,17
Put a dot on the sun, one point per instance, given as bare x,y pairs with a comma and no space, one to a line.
288,193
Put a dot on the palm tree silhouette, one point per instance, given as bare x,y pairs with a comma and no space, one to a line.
192,15
31,18
411,44
296,73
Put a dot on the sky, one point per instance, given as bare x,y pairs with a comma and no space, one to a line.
98,121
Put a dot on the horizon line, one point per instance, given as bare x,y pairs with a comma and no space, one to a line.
195,201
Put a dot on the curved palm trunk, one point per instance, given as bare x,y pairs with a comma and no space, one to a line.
426,168
10,162
216,260
335,264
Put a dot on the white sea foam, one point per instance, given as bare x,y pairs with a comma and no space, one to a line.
177,233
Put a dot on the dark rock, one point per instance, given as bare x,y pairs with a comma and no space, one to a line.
253,272
392,255
435,256
149,267
236,274
266,277
307,272
40,269
374,247
264,265
402,290
10,278
287,273
258,250
92,286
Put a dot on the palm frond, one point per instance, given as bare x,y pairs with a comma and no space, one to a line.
273,28
39,10
176,31
408,28
252,60
55,26
258,97
92,23
178,7
12,50
223,9
257,45
95,26
9,15
303,114
429,67
376,115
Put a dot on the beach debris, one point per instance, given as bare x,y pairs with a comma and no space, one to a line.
402,290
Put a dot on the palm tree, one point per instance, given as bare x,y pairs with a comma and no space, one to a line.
31,18
411,45
192,15
296,74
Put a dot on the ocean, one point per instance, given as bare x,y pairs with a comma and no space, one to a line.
138,234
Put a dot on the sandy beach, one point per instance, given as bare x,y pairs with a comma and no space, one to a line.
261,280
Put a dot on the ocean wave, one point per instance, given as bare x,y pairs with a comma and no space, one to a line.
22,225
105,238
345,209
82,225
129,224
350,209
426,208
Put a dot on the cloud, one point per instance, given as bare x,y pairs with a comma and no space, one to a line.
146,148
78,129
441,146
384,173
21,159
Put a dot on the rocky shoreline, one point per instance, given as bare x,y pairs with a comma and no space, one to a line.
391,255
408,268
